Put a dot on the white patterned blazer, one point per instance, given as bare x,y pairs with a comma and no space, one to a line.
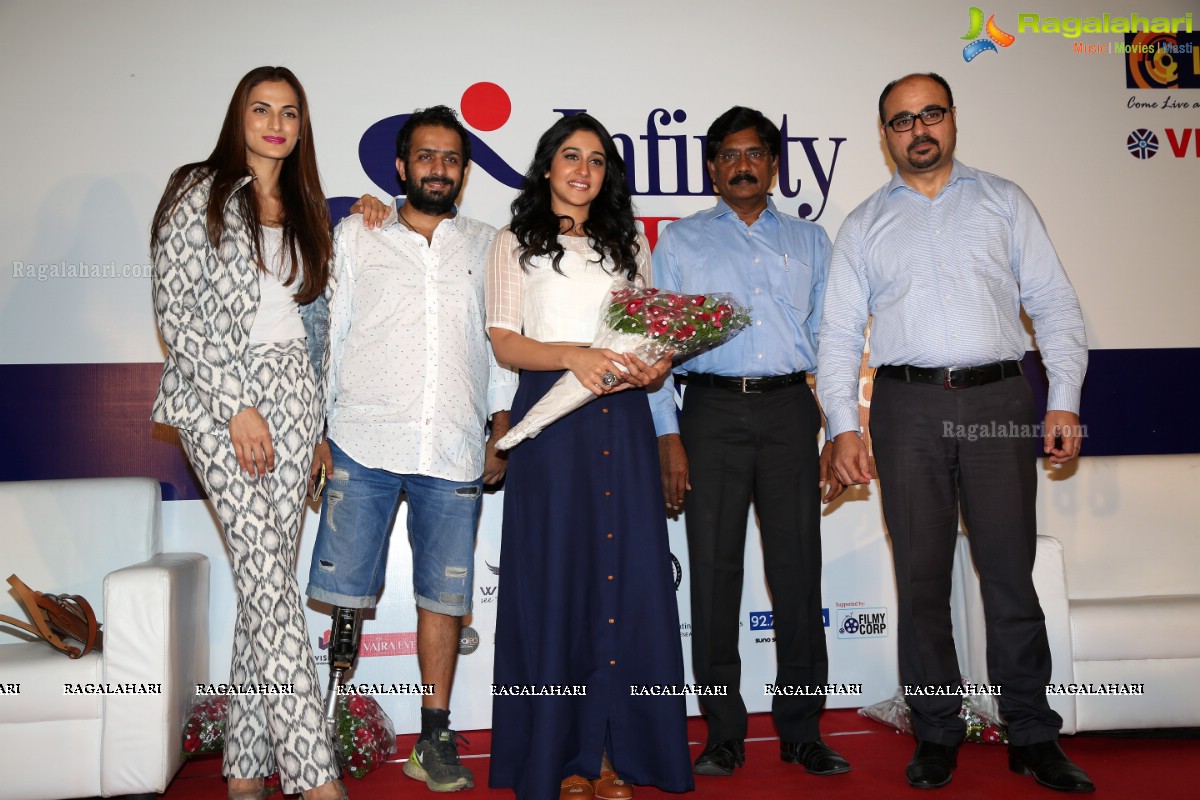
205,300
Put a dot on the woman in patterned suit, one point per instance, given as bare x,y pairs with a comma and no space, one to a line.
241,246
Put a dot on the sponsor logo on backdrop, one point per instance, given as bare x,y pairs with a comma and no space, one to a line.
1181,142
468,641
676,571
762,620
765,620
663,152
988,44
487,594
862,623
1142,144
374,645
1162,60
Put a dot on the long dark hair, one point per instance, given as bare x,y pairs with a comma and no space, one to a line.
306,227
609,227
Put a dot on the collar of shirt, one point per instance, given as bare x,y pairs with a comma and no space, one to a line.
392,220
958,171
722,209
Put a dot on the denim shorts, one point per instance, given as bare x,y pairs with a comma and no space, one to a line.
350,554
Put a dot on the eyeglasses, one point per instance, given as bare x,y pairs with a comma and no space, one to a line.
904,122
755,154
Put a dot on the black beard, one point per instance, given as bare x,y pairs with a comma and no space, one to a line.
924,162
433,204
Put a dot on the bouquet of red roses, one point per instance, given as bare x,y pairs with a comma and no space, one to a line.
363,734
647,323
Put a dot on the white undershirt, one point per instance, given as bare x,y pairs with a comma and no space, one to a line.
278,318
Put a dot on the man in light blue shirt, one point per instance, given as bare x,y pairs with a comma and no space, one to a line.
749,428
943,258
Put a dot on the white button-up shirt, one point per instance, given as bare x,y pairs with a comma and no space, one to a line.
413,380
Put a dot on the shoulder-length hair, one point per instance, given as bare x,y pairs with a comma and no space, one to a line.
306,227
609,227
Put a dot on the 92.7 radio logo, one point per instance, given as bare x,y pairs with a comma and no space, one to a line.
762,620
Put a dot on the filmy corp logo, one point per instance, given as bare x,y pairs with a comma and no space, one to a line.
995,36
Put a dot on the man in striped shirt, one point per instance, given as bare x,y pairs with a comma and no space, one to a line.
942,259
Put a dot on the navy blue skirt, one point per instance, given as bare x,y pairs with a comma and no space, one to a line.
587,598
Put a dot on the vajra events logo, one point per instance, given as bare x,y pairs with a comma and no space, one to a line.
995,36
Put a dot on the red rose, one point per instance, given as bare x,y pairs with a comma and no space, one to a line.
657,327
699,300
192,743
357,706
991,735
634,306
650,292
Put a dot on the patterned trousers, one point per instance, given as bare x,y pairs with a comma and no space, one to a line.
261,522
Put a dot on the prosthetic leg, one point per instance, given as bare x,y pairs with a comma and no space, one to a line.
344,637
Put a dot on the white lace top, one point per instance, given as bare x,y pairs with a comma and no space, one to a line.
548,306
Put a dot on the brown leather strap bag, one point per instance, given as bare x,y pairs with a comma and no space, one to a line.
57,617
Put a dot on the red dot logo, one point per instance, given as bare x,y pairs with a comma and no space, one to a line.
485,106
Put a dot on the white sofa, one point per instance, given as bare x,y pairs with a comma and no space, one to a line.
99,538
1118,576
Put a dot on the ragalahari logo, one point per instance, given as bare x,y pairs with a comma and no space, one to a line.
995,36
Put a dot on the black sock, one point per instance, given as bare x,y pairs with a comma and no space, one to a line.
433,718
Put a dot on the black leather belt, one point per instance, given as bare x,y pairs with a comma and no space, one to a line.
745,385
952,377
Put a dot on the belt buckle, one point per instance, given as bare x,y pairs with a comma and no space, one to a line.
951,378
745,388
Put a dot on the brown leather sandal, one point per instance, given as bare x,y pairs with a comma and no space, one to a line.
57,617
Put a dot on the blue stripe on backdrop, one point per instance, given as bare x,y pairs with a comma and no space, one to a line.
93,420
88,421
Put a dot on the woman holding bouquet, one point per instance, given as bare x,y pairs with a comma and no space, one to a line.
586,598
242,247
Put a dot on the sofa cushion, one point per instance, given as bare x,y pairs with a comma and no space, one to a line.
1136,628
40,673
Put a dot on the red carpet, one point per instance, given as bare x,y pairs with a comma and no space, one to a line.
1165,769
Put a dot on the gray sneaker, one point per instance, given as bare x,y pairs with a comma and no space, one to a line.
435,761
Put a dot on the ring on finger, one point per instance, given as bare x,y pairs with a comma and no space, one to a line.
608,379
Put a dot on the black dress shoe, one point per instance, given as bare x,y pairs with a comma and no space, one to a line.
1049,765
931,765
817,757
720,758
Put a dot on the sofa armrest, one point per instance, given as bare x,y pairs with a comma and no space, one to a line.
156,636
1050,582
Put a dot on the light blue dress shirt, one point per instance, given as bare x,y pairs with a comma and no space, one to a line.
944,281
777,267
